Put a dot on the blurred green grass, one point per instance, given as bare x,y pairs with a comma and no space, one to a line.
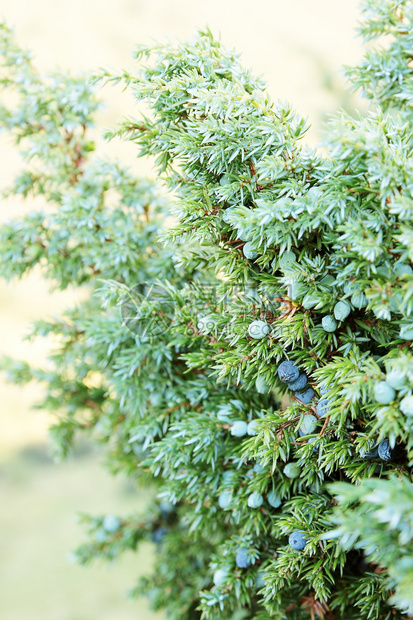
38,530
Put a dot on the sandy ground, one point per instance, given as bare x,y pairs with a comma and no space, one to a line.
299,46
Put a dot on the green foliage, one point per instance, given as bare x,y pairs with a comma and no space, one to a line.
158,362
377,516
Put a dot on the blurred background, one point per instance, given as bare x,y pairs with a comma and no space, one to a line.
299,47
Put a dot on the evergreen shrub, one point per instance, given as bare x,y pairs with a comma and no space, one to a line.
251,359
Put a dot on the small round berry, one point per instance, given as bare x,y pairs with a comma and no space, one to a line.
242,558
297,540
385,451
111,524
220,576
224,180
341,310
273,499
239,428
255,500
252,428
249,251
292,470
286,260
402,269
323,407
359,300
305,397
261,386
299,383
227,216
406,332
308,425
396,379
384,393
258,329
224,500
329,323
406,405
288,371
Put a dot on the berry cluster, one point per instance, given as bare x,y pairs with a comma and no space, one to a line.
290,374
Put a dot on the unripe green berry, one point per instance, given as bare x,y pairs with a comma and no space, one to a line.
286,260
258,329
359,300
220,576
273,499
227,215
329,323
328,280
384,393
406,405
224,180
255,500
292,470
225,499
396,379
239,428
308,425
252,427
261,386
249,252
348,288
341,310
